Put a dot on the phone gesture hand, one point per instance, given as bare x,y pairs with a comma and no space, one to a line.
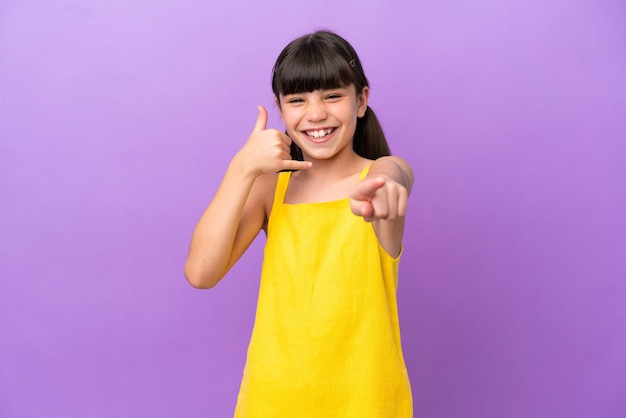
268,150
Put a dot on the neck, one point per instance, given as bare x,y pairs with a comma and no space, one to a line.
339,166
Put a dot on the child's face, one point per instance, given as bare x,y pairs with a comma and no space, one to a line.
322,122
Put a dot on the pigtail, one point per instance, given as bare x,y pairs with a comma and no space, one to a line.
369,140
296,152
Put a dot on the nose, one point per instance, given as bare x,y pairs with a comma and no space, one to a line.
316,111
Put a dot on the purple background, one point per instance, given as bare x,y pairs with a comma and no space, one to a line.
118,118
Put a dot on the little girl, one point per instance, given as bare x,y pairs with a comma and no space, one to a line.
332,202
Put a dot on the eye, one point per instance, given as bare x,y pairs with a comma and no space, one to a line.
294,100
333,96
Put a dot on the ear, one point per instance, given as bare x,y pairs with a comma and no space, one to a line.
362,101
280,111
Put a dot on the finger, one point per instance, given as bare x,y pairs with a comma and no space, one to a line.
362,208
403,201
261,121
285,138
367,211
296,165
380,204
392,205
366,189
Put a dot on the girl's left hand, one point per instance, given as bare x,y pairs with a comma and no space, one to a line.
379,197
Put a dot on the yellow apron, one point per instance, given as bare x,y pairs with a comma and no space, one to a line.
326,339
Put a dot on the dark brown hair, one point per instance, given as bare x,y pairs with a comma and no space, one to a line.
324,60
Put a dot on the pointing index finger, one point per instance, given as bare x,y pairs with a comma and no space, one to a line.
366,189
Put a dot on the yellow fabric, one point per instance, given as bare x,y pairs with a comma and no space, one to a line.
326,340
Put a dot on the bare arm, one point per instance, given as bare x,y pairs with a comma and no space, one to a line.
382,198
238,210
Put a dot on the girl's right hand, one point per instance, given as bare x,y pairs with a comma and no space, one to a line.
268,150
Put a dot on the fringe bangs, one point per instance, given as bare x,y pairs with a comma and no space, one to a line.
311,68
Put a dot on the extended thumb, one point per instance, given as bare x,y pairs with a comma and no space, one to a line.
261,121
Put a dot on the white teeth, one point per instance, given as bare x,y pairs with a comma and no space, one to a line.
319,134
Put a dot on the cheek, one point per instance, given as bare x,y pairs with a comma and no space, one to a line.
351,115
289,119
291,125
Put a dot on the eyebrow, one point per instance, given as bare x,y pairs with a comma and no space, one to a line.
343,88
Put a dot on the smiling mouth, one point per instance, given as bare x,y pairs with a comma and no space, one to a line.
320,133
